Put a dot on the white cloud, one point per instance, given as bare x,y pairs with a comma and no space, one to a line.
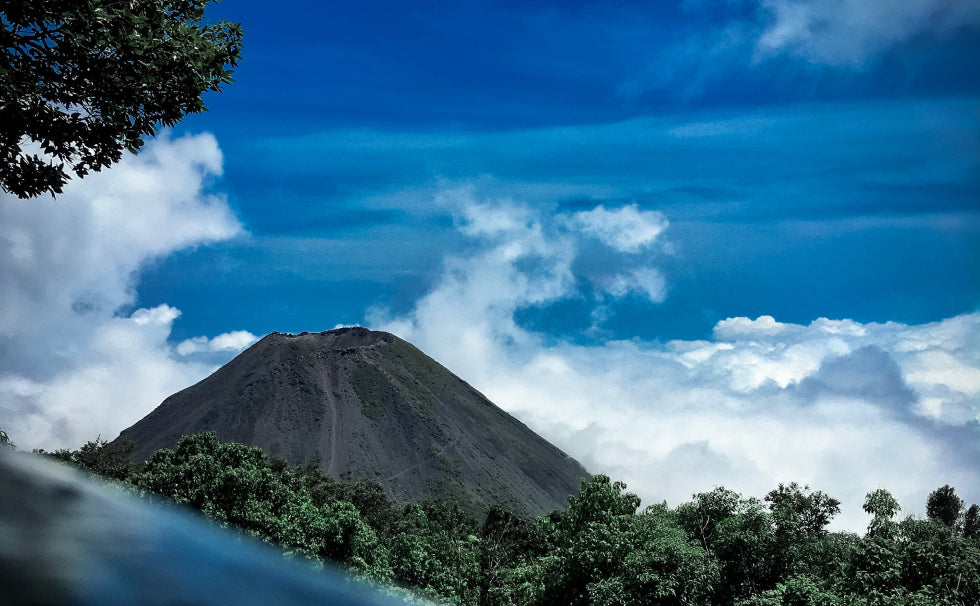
645,281
736,328
230,341
843,406
74,363
848,32
626,229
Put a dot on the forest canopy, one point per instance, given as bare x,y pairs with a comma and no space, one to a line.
720,548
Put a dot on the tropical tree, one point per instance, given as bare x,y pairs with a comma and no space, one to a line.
800,517
662,567
701,516
744,545
936,566
882,505
944,505
82,81
588,542
800,511
971,522
509,546
436,551
600,552
98,457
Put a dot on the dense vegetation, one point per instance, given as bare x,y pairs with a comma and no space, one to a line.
85,80
719,548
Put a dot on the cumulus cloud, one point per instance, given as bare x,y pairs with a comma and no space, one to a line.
626,229
843,406
230,341
76,360
848,32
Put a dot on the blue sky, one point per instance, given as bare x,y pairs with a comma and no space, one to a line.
339,111
692,243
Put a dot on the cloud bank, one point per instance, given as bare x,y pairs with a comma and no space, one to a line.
844,406
76,360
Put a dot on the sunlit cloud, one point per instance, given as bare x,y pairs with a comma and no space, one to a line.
77,360
844,406
625,229
230,341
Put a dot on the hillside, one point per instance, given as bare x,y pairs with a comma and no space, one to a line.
368,405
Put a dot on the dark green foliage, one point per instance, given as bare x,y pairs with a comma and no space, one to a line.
86,80
700,517
436,551
798,510
237,485
883,506
601,552
744,546
944,505
589,541
798,590
874,571
799,518
98,457
720,549
937,565
971,522
375,506
510,544
915,562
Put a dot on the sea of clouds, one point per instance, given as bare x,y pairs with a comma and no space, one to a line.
842,406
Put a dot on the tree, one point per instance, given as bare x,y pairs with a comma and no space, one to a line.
508,544
971,522
661,566
436,551
883,506
944,505
744,544
756,559
798,590
376,508
798,510
937,566
98,457
82,81
701,516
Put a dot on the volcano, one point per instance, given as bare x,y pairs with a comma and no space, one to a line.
367,405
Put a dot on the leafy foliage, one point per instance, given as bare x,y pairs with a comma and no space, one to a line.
601,550
98,458
883,506
86,80
971,522
944,505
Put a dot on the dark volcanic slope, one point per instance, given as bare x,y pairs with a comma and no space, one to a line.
369,405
